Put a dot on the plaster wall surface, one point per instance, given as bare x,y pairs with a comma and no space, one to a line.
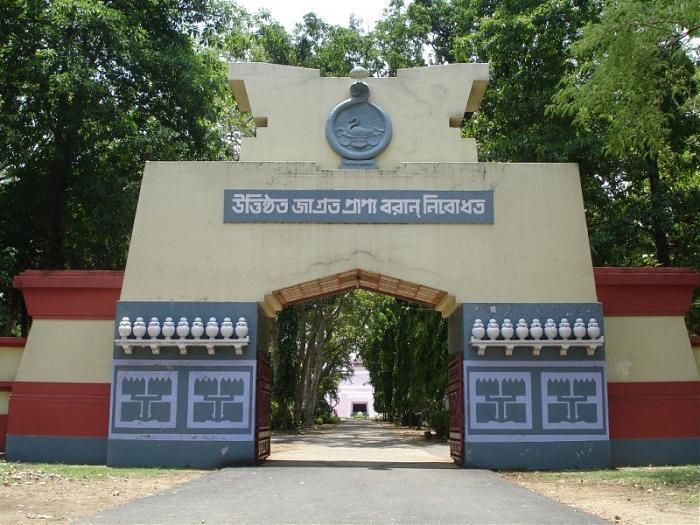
68,351
10,358
425,105
642,349
537,250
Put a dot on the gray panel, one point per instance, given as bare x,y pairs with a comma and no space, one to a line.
538,456
529,311
359,206
213,454
177,309
80,450
182,400
544,401
640,452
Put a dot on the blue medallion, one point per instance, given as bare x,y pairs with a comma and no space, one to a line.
358,130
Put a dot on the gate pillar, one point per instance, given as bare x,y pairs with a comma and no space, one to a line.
184,399
535,398
455,397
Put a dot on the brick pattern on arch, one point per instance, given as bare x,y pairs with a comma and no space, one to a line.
342,282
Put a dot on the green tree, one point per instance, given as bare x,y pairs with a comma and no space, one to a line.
400,43
335,50
284,363
405,351
637,74
310,366
90,90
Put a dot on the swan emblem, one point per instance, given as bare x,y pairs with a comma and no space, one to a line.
358,137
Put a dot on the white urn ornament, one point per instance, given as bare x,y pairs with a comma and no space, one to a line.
139,328
593,329
226,328
521,330
478,330
197,328
183,328
579,329
154,328
536,329
507,329
492,330
124,328
212,328
168,328
241,328
564,329
550,329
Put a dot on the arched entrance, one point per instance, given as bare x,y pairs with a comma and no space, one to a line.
360,279
375,282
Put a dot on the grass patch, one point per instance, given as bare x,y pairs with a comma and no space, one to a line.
12,472
682,483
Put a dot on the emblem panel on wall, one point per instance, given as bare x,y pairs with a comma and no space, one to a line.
535,398
357,129
174,400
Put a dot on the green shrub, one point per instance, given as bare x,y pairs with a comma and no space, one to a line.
330,419
318,421
283,417
440,422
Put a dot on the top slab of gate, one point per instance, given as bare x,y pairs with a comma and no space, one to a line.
424,106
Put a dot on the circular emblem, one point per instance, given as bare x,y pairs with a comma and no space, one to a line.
356,128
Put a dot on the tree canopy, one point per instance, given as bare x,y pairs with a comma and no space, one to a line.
89,91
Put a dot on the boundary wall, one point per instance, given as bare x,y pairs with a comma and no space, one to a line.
55,384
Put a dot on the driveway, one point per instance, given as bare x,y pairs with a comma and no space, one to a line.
359,473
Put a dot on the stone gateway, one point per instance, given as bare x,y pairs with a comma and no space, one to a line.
554,364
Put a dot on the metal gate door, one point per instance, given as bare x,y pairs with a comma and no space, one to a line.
263,409
455,397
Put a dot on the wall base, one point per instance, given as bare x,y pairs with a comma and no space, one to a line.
640,452
210,454
51,449
538,456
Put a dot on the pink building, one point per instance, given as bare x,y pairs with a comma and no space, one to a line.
355,394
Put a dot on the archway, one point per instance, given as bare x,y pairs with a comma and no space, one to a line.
360,279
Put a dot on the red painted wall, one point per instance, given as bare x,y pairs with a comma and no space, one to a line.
3,432
645,291
70,294
6,386
654,410
13,342
59,409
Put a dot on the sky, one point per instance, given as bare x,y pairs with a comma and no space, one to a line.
335,12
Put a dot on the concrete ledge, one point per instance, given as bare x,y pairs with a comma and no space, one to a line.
210,454
538,456
645,291
640,452
70,294
45,449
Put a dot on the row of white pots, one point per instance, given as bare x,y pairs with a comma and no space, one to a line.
139,329
535,330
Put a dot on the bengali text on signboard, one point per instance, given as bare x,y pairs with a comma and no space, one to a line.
359,206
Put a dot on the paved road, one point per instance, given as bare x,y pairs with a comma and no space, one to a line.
361,473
